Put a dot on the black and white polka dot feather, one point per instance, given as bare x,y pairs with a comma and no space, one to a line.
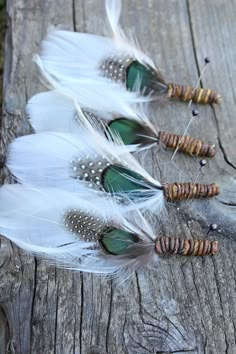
65,229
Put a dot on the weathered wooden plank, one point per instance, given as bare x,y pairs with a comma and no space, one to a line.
181,305
217,38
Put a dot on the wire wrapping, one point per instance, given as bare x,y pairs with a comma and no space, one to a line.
180,191
188,93
186,247
187,144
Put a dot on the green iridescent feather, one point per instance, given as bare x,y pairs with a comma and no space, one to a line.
119,179
118,242
131,132
143,74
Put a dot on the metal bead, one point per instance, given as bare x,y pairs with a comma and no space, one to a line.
195,112
213,226
202,163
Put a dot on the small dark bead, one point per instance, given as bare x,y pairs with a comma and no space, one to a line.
213,226
207,60
202,163
195,112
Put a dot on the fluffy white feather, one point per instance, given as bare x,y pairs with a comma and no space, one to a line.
113,10
70,62
127,43
51,111
94,92
34,219
50,159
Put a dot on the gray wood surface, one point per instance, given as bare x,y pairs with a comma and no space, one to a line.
182,305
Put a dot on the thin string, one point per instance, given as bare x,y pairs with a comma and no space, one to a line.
189,105
202,164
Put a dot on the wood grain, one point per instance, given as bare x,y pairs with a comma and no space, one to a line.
181,306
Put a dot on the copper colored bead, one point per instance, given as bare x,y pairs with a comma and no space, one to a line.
191,247
205,249
200,248
214,248
196,247
187,246
158,247
163,246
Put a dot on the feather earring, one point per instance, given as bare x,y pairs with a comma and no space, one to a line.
50,111
90,165
70,232
76,61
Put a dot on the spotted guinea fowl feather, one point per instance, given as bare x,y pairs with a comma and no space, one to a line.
69,231
116,67
83,163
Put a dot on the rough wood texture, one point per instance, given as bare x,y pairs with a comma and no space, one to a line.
183,305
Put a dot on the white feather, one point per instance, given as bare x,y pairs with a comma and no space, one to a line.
34,220
51,111
94,92
127,43
113,10
70,62
45,159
